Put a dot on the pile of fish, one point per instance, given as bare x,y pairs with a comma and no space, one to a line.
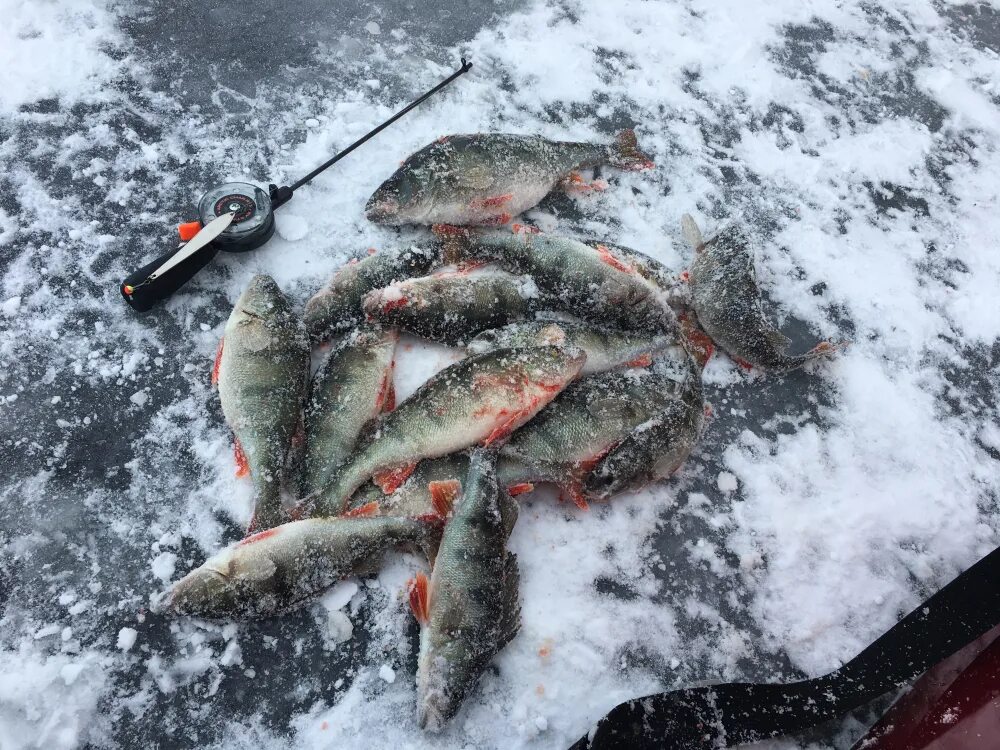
582,369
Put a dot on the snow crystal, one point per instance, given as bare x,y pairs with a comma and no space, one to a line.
727,482
373,28
339,627
163,565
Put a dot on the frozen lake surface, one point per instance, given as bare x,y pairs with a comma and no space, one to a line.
860,143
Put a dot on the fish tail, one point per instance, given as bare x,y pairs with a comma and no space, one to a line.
624,153
822,350
267,511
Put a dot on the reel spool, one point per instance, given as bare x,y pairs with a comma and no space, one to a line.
253,215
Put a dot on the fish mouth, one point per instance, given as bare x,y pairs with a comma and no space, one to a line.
381,209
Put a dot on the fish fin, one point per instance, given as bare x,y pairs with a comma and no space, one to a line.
520,488
778,340
493,201
386,399
443,495
524,229
624,153
609,258
391,480
499,220
697,343
252,537
454,242
251,527
242,464
574,182
503,430
362,511
574,491
685,276
643,360
218,361
743,364
509,511
691,232
827,348
510,615
420,603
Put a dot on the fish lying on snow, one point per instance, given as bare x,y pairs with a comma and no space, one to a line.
590,282
275,570
336,308
452,306
656,448
481,399
469,609
729,306
488,178
351,387
261,371
606,348
569,437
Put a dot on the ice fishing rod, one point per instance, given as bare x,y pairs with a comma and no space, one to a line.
236,217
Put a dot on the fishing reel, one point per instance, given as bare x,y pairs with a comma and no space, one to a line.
235,217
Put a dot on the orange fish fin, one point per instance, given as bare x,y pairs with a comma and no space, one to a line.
575,183
643,360
420,598
504,429
574,490
492,201
519,489
443,495
400,301
748,366
242,465
625,153
362,511
218,361
251,537
685,276
390,480
608,257
386,399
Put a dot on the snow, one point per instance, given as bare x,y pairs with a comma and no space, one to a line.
858,141
126,638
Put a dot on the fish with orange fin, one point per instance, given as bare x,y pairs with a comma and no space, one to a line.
488,178
470,608
606,348
276,570
656,448
594,282
336,308
729,304
571,435
352,386
261,373
452,307
481,399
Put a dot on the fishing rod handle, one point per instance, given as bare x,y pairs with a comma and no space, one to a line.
142,294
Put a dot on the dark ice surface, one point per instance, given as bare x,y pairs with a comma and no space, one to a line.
238,64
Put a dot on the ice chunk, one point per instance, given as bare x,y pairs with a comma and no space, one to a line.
126,638
387,673
291,227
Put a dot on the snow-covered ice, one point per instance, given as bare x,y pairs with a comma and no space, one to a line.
859,141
